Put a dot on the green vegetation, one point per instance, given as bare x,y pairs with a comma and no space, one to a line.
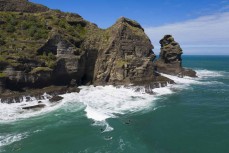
23,34
171,39
2,59
2,75
10,28
2,41
50,60
120,63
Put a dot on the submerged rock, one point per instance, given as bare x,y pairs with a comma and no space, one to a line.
38,106
55,99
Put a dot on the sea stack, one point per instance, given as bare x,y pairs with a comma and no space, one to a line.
170,61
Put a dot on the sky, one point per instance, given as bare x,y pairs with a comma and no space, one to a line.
200,26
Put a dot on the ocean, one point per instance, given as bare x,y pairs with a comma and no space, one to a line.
191,116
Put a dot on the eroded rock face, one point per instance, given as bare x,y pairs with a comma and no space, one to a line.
170,50
170,61
128,56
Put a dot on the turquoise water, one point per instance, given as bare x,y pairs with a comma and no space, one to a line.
190,117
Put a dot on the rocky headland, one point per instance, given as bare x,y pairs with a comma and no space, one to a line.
44,50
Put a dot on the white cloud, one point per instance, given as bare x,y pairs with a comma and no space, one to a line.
203,32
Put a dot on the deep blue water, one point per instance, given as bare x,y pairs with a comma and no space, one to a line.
190,117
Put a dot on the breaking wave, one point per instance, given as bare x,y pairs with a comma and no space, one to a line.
209,74
11,138
15,111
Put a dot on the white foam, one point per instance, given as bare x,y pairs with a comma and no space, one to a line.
209,74
108,102
107,127
179,80
15,111
163,91
11,138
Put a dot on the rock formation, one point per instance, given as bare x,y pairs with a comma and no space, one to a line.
46,47
170,61
127,57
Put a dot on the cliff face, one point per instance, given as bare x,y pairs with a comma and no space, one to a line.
127,56
170,61
47,47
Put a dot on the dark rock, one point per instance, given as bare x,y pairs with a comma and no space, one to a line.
38,106
2,22
73,83
188,72
2,85
55,99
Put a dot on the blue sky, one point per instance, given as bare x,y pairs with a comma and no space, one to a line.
200,26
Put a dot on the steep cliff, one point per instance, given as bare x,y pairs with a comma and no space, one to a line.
170,61
126,56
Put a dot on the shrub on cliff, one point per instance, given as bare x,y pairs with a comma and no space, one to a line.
2,75
2,41
10,28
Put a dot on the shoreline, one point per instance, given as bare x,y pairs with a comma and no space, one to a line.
55,91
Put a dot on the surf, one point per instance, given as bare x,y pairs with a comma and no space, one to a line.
104,102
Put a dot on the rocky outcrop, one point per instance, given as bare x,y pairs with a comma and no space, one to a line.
21,6
170,61
128,56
